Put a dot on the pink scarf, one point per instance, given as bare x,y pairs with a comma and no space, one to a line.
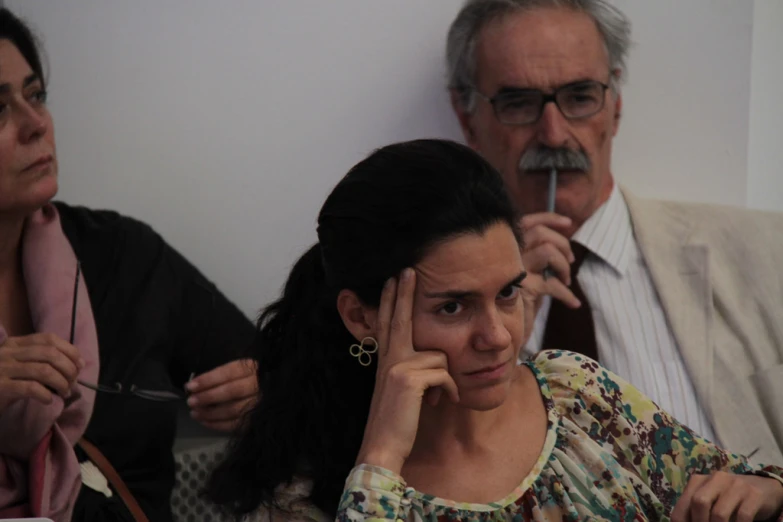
39,472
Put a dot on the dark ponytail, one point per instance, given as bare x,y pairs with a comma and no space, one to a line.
314,403
381,217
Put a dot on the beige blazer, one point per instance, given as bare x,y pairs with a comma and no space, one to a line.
717,271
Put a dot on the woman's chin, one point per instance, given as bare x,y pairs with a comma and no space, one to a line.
43,191
485,399
35,196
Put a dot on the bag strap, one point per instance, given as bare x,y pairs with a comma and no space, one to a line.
114,479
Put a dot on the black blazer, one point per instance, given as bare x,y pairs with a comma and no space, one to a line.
158,320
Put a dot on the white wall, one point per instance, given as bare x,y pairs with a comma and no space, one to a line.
685,126
224,124
765,137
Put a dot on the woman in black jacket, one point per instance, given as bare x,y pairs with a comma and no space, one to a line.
112,288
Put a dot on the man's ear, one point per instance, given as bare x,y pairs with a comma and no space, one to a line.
618,102
357,317
618,113
464,117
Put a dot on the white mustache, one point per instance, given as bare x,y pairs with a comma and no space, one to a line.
547,158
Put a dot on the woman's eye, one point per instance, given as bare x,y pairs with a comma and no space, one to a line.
40,96
509,292
450,308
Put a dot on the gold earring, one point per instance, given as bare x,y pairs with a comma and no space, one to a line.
362,353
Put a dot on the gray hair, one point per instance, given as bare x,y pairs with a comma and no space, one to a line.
613,25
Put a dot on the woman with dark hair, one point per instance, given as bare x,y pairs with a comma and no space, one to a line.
391,359
91,300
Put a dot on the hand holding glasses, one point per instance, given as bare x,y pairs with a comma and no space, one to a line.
151,395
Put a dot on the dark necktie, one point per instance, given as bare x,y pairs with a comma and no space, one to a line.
572,329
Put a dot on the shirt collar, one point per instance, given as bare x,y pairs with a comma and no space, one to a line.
608,233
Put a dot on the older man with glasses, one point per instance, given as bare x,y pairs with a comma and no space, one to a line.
683,300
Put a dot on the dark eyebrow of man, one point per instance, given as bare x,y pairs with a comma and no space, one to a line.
5,88
466,294
509,89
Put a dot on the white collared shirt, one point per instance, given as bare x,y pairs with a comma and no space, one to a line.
633,337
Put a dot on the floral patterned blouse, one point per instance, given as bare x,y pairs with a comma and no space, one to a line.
610,454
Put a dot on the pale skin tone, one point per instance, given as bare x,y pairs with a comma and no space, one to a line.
31,365
545,49
219,398
41,365
463,311
461,435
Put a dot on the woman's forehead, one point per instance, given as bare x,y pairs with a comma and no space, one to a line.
478,260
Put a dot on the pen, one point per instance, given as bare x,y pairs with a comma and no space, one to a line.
550,207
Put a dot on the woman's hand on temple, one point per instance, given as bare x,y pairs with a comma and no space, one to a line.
404,377
37,366
728,497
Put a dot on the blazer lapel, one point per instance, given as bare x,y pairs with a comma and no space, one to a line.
679,267
679,264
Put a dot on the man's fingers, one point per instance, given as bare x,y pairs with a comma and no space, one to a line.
544,256
537,287
540,235
547,219
561,292
235,370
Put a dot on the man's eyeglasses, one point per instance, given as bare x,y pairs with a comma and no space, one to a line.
151,395
576,101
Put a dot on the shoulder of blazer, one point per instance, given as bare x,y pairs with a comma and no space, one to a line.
97,233
690,221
